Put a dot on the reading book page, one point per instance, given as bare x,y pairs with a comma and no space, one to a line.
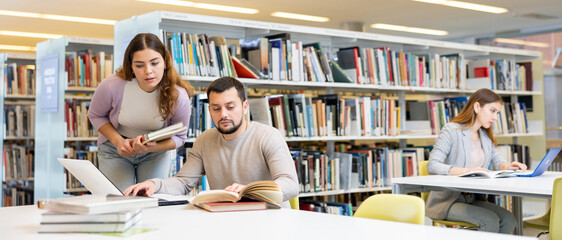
266,191
491,174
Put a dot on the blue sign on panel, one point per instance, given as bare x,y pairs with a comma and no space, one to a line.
49,86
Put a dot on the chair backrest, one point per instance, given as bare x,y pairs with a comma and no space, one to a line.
294,203
393,207
556,211
424,172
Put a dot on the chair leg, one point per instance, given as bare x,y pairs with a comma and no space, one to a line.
543,232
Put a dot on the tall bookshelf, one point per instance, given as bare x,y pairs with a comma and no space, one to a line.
51,131
17,102
331,40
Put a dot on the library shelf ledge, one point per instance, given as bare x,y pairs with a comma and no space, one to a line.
531,134
80,139
342,87
336,192
19,179
70,97
347,138
80,89
18,138
18,96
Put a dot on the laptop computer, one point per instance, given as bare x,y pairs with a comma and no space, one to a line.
543,165
98,184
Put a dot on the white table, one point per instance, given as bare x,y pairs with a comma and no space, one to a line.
517,187
187,222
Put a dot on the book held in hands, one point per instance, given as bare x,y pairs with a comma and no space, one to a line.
164,133
490,174
261,191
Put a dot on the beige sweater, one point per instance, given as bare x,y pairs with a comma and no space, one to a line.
261,153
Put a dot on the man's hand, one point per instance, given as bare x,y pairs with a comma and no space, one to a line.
145,188
235,187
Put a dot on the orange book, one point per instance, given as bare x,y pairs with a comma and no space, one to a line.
241,70
232,206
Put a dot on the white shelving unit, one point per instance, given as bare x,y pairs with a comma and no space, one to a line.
156,22
51,130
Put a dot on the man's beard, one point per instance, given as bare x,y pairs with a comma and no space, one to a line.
231,130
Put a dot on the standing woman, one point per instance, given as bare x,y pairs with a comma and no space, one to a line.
145,94
468,144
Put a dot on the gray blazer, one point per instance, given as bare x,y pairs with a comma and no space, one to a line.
452,149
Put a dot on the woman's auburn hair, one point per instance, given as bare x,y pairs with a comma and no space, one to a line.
467,116
167,100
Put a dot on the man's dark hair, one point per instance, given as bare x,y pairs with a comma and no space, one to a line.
224,83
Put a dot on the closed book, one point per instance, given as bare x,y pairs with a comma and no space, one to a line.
91,226
96,204
164,133
232,206
66,217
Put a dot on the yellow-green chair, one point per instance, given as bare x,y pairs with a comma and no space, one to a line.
294,203
555,228
467,225
540,223
393,207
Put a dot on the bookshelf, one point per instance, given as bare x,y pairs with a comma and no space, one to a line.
331,40
52,91
17,101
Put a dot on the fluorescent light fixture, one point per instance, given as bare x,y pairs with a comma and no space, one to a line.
300,17
409,29
467,5
208,6
170,2
226,8
521,42
29,34
18,48
57,17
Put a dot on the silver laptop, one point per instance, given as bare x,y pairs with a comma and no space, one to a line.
98,184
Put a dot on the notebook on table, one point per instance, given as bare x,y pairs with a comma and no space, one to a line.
543,165
98,184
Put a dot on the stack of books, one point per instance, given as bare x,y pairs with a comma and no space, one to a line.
93,213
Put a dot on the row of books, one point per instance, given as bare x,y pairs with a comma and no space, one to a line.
18,162
85,68
327,115
386,67
361,168
500,74
89,153
511,119
333,208
17,195
20,120
76,119
20,79
277,57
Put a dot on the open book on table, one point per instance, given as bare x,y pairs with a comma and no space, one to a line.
262,191
490,174
164,133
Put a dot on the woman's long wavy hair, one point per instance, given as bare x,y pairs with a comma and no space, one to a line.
171,78
467,116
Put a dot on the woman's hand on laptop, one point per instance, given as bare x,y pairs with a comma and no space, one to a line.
513,166
145,188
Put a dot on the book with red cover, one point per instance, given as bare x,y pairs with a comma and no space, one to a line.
231,206
241,70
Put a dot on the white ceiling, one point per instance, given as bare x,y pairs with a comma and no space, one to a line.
460,23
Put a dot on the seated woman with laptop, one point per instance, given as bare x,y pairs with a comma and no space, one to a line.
467,144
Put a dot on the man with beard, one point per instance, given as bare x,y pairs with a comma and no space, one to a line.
234,153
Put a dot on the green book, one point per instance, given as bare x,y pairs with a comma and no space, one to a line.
338,73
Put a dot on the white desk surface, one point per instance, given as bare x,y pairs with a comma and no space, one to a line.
187,222
539,187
